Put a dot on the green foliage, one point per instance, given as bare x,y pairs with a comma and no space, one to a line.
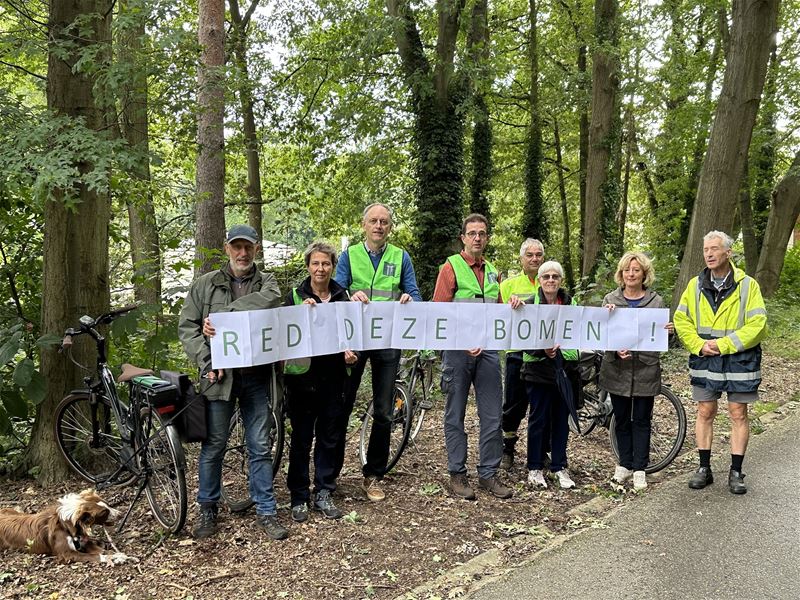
789,286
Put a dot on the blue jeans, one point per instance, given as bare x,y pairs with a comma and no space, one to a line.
252,393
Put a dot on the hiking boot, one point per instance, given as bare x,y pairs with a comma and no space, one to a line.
206,524
373,489
324,504
564,480
269,523
701,478
621,474
459,485
736,482
495,487
639,480
536,477
507,461
300,513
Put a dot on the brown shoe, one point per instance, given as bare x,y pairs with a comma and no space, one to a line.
373,489
495,487
459,484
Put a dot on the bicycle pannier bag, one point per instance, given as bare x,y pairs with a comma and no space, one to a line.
160,394
191,420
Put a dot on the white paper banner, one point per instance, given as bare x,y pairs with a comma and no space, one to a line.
266,336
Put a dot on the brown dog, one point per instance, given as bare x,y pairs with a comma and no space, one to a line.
61,530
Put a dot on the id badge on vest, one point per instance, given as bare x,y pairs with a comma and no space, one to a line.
389,269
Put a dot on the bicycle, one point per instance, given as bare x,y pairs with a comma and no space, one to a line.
668,422
108,441
235,489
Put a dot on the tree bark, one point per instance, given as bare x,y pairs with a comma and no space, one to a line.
601,187
754,26
210,176
75,278
481,177
782,218
254,196
143,229
534,219
566,251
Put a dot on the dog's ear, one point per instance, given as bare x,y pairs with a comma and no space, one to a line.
95,515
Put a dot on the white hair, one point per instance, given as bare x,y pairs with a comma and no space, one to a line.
528,243
727,241
552,265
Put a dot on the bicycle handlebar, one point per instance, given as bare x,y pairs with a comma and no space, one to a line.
88,323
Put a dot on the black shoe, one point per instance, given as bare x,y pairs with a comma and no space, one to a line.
736,482
300,513
206,524
507,461
324,504
701,478
269,523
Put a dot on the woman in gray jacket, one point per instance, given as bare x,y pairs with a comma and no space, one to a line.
632,378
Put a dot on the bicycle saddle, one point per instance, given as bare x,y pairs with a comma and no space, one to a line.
129,372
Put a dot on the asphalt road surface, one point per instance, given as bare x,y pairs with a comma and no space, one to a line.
682,543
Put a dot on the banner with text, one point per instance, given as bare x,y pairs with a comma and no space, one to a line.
264,336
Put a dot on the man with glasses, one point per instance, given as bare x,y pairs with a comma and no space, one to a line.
515,403
375,271
468,277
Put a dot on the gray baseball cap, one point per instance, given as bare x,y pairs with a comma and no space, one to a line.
242,232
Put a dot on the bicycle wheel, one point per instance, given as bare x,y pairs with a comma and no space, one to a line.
277,435
400,424
163,463
235,489
668,431
88,438
420,400
592,412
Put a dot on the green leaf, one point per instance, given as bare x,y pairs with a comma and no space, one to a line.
36,390
23,371
5,424
48,339
10,348
15,404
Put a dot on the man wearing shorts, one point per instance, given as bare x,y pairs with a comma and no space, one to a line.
721,319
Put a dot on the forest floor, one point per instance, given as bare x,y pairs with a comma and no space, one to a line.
381,550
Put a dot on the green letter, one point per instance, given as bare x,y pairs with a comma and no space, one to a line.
266,338
519,329
375,327
546,333
413,321
441,325
348,329
229,338
289,328
590,329
499,329
567,334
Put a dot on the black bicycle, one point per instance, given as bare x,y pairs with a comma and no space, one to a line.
108,440
668,423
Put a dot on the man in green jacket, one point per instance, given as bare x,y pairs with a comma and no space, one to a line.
721,319
236,286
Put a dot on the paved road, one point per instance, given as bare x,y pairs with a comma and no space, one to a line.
682,543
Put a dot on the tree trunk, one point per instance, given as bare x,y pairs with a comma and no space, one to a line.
534,219
754,26
782,219
566,251
746,219
145,245
254,197
75,257
602,190
210,176
481,177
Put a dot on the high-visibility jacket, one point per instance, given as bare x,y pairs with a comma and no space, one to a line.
467,287
381,283
519,285
528,356
738,323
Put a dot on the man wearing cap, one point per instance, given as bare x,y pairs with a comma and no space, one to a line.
375,271
238,285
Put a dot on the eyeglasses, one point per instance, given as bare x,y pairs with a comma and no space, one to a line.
548,276
476,234
383,222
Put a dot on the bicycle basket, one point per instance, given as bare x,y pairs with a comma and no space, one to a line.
158,393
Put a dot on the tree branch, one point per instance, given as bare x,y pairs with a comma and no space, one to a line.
23,69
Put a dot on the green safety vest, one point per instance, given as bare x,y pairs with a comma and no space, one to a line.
520,286
467,287
381,284
297,366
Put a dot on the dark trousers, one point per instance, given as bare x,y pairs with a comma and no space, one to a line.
384,364
547,408
515,401
633,418
315,413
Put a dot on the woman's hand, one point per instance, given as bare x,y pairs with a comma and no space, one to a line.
350,357
309,301
670,327
624,354
610,307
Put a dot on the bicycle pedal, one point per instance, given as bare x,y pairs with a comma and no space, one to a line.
426,404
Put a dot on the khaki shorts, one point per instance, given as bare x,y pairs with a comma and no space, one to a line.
701,394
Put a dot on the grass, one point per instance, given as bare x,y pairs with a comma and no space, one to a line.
783,337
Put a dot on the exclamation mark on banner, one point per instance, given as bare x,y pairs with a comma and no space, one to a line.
653,333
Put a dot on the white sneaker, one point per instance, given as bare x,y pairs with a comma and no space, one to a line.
621,474
639,480
536,477
564,480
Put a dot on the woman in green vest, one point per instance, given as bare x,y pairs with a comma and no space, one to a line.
316,396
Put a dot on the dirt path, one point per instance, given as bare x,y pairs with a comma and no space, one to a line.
376,551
